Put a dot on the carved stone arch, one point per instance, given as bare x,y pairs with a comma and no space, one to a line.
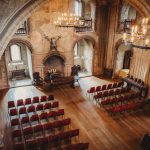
118,43
26,51
141,6
22,41
51,54
116,48
95,49
16,20
132,13
87,37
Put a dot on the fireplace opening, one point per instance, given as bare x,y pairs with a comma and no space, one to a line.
54,64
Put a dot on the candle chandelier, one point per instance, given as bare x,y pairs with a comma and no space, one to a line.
137,33
72,19
69,20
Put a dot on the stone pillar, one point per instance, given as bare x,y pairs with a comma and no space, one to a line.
101,29
3,74
112,28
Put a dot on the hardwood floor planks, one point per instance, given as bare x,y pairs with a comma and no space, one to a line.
97,127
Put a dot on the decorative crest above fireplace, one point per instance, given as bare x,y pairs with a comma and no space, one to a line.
53,42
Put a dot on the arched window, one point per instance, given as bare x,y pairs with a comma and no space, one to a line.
132,13
127,12
76,50
78,7
128,15
15,53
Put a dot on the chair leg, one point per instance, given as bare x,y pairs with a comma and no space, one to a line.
97,101
93,99
89,97
92,96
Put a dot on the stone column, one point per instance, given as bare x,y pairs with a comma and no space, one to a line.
102,29
112,28
3,74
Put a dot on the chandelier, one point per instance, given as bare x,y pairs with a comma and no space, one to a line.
137,33
69,20
75,20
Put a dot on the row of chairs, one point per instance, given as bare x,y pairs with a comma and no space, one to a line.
36,117
50,141
33,128
32,108
104,87
29,101
125,107
32,131
120,98
109,93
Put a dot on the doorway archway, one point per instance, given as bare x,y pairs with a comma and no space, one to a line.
123,59
83,56
18,57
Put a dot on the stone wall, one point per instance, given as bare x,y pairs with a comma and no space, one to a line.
13,13
42,30
7,9
114,38
113,35
3,74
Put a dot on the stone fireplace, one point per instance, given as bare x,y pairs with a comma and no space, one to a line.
55,63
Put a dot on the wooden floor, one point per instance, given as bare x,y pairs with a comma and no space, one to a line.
97,127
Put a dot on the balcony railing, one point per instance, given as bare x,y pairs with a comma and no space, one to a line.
83,29
126,25
86,27
23,30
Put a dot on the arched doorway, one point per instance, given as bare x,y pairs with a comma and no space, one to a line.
19,64
123,59
83,57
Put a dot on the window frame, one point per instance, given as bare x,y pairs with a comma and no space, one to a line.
120,23
15,61
76,53
80,6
